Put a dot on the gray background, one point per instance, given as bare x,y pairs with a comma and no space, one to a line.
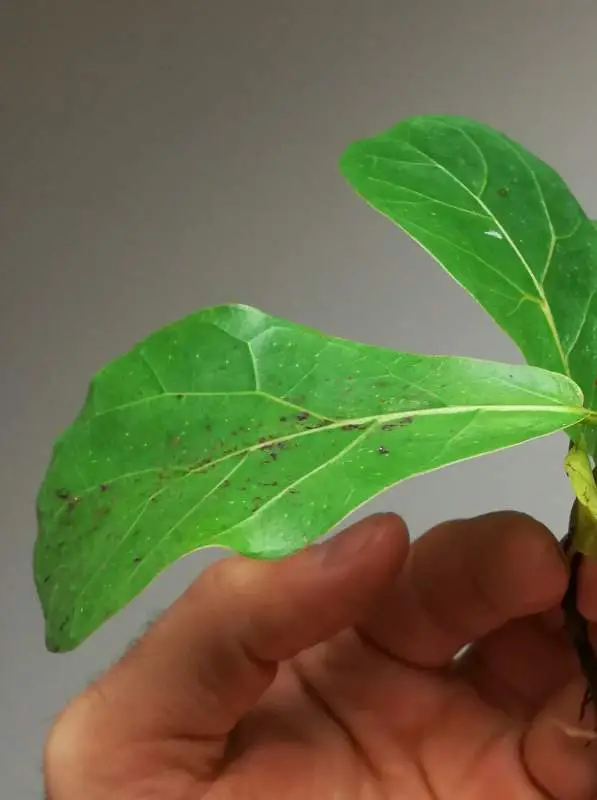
157,157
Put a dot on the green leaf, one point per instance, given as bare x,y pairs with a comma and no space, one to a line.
501,222
235,428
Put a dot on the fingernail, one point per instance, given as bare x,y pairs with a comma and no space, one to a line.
348,545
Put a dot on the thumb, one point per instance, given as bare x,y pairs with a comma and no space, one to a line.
213,653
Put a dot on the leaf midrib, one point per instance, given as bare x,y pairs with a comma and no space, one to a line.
542,298
369,421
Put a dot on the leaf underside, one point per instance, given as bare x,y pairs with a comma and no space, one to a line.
501,222
238,429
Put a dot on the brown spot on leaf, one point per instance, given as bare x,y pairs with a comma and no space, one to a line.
303,416
62,494
382,450
103,487
503,191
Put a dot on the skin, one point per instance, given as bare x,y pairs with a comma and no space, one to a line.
335,674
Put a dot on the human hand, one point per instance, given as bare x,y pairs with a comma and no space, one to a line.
331,675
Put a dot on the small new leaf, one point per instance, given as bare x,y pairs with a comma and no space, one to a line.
238,429
501,222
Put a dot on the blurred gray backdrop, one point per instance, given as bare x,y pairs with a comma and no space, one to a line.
157,157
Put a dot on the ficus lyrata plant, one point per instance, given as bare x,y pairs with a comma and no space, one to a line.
235,428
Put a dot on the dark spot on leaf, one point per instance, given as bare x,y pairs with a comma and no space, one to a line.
382,450
103,487
46,579
283,419
101,512
389,426
303,416
208,427
62,494
353,427
262,439
137,560
175,441
503,191
293,491
179,396
226,484
406,421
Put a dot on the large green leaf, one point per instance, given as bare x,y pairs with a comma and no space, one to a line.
238,429
501,222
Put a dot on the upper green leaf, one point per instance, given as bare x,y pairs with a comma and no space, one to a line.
501,222
239,429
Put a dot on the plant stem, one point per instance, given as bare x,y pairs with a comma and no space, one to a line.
576,624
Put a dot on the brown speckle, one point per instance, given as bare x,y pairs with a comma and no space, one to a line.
137,560
503,191
382,450
103,487
303,416
62,494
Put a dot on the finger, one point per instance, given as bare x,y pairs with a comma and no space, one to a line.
503,666
518,667
208,659
554,750
462,580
